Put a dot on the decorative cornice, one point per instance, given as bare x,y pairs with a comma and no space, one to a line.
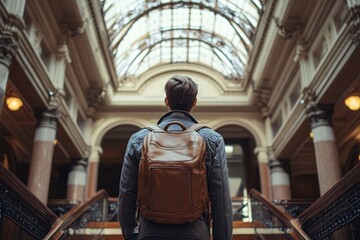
73,29
95,95
292,28
262,95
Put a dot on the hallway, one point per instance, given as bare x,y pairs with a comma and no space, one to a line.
279,80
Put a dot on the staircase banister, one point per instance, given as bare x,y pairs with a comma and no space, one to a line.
23,192
296,231
67,219
348,181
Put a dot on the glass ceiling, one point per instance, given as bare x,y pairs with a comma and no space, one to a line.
214,33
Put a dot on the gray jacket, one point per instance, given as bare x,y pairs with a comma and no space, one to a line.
217,175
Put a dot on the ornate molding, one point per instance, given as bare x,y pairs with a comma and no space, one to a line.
95,95
63,52
262,95
8,48
73,29
354,22
343,211
301,50
14,208
319,115
289,29
293,29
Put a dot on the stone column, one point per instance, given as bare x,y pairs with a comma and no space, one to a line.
58,66
7,49
264,172
280,180
76,185
42,155
92,171
327,160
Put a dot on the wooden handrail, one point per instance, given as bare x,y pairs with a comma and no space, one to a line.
347,182
23,192
67,219
284,217
336,211
24,205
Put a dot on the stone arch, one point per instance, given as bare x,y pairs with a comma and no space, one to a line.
255,128
104,125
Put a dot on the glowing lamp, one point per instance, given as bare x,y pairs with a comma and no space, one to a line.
353,102
14,103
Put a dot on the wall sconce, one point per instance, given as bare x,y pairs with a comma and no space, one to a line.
14,103
352,101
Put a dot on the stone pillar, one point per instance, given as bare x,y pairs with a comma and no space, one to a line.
42,155
280,180
58,66
76,185
264,172
327,160
92,171
7,49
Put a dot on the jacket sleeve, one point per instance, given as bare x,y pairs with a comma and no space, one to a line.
128,194
218,184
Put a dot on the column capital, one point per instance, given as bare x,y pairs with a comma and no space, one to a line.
276,163
8,48
261,153
63,52
79,162
319,114
95,154
354,22
301,50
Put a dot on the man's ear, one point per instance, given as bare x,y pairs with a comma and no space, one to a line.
195,102
167,102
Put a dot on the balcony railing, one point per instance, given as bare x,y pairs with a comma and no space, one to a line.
77,220
336,214
271,216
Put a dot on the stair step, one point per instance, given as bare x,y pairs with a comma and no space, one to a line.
241,231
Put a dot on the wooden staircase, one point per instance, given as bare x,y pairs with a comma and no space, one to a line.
335,215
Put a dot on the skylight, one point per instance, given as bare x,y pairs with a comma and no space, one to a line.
214,33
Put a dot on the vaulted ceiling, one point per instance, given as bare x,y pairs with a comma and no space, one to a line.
217,34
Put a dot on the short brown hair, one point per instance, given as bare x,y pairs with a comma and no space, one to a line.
181,92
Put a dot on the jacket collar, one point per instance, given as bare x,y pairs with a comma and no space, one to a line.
177,115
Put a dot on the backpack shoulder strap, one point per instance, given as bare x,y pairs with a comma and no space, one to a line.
196,127
153,128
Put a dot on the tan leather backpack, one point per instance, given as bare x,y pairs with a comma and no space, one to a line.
172,175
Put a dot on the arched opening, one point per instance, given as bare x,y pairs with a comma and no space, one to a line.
242,163
114,145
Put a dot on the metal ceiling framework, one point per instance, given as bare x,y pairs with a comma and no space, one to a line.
214,33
